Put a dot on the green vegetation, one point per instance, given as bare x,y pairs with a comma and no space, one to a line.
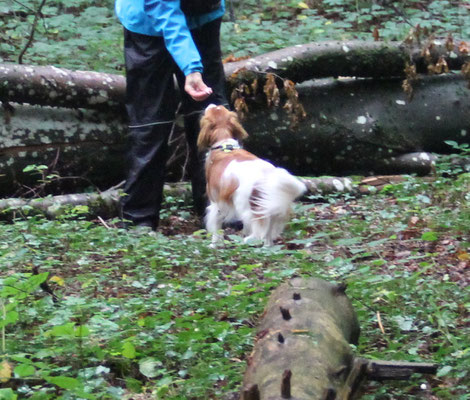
85,34
88,312
97,313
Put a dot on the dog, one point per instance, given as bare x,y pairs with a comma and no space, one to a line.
241,186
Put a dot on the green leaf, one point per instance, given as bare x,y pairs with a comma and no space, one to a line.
444,371
7,394
82,331
429,236
24,370
10,318
67,329
35,280
149,367
63,382
128,350
188,354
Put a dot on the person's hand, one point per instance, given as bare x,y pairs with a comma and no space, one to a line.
196,88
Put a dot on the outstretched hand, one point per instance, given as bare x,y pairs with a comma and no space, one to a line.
196,88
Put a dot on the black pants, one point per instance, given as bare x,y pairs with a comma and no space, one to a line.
151,103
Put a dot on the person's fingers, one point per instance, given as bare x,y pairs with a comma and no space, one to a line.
198,92
196,88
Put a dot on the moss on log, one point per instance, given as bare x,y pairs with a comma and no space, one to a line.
307,329
303,348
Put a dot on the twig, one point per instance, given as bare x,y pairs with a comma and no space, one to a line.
379,321
118,186
103,222
23,5
33,30
4,314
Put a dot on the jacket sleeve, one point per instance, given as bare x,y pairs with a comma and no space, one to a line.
169,18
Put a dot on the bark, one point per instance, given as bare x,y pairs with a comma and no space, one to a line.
46,85
303,347
59,87
347,58
359,127
306,329
100,204
364,126
82,143
106,204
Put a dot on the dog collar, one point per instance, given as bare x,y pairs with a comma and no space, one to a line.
227,147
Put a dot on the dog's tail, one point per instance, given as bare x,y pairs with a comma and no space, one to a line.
275,194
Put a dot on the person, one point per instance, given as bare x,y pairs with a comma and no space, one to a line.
164,39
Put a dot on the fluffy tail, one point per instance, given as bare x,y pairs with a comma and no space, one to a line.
275,194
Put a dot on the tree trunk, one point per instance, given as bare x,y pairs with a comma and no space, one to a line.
364,126
85,144
303,347
352,126
60,87
348,58
307,329
100,204
84,89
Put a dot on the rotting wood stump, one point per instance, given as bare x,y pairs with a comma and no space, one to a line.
303,347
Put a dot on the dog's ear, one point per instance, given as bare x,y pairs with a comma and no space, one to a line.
238,131
204,137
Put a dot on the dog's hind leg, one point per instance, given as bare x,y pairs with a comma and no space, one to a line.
214,219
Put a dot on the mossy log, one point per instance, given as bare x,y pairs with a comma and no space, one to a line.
106,204
307,330
303,349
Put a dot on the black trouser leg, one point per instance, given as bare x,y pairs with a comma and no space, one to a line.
147,155
151,105
207,40
195,164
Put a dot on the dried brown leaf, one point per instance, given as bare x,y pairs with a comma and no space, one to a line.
271,91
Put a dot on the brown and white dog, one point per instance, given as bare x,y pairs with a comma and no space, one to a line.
241,186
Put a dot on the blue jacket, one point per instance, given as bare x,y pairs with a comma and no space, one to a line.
165,18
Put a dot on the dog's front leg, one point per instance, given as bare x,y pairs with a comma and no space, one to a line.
214,220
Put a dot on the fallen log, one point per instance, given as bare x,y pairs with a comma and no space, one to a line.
99,204
349,58
106,204
364,127
303,352
359,127
59,87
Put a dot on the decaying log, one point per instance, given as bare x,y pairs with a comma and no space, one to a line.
310,339
364,126
303,347
71,142
105,204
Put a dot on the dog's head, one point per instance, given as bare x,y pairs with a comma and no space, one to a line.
218,124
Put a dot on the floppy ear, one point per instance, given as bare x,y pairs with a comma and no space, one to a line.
204,137
238,132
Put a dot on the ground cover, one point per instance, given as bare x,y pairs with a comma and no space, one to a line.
86,35
98,313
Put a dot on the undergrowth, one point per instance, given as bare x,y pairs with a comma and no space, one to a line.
97,313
